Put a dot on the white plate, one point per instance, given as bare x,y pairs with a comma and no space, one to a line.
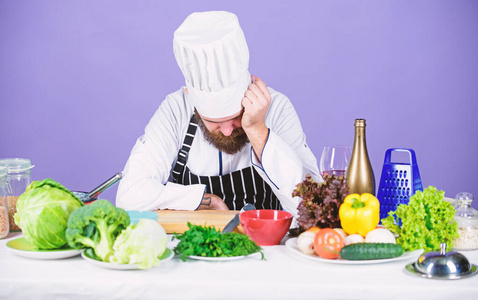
167,255
225,258
22,247
292,245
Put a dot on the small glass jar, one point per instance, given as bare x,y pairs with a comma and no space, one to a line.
466,218
18,179
4,223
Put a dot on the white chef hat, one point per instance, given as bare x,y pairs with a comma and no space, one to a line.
212,53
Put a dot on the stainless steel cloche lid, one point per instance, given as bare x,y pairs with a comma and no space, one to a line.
443,264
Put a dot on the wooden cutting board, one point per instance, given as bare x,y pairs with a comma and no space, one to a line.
176,220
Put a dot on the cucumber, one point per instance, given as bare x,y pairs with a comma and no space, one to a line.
365,251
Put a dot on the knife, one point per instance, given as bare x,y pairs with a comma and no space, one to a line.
235,221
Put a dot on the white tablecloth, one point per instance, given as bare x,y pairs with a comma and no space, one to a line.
284,275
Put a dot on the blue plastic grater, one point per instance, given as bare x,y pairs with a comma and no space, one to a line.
398,182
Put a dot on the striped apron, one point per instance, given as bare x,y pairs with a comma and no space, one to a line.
235,189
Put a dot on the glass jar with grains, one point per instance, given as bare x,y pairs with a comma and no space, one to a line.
466,218
18,179
4,226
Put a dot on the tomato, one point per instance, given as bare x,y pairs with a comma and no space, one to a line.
328,243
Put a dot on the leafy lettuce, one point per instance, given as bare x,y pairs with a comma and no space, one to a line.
426,222
320,202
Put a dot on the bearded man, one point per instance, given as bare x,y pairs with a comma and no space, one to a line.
249,148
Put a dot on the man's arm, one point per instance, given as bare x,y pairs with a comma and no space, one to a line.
285,159
145,183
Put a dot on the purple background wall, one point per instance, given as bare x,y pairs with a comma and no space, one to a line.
79,80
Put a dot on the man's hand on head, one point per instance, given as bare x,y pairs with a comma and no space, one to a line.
256,102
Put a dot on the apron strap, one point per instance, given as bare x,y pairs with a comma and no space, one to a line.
184,151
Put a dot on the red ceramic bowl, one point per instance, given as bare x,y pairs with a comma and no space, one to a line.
266,227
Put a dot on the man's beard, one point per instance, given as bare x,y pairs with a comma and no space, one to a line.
228,144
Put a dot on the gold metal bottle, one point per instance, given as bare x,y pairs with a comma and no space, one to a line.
359,176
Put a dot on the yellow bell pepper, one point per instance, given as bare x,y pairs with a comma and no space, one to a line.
359,214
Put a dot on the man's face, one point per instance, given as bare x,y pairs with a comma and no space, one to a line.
226,134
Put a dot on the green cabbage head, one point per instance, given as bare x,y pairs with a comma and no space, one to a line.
43,211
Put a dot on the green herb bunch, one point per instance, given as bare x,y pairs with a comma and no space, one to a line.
426,222
207,241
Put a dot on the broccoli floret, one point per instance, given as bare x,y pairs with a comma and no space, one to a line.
96,226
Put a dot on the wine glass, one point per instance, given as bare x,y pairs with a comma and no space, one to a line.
334,160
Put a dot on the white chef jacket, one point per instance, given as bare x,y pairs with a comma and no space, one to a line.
146,184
